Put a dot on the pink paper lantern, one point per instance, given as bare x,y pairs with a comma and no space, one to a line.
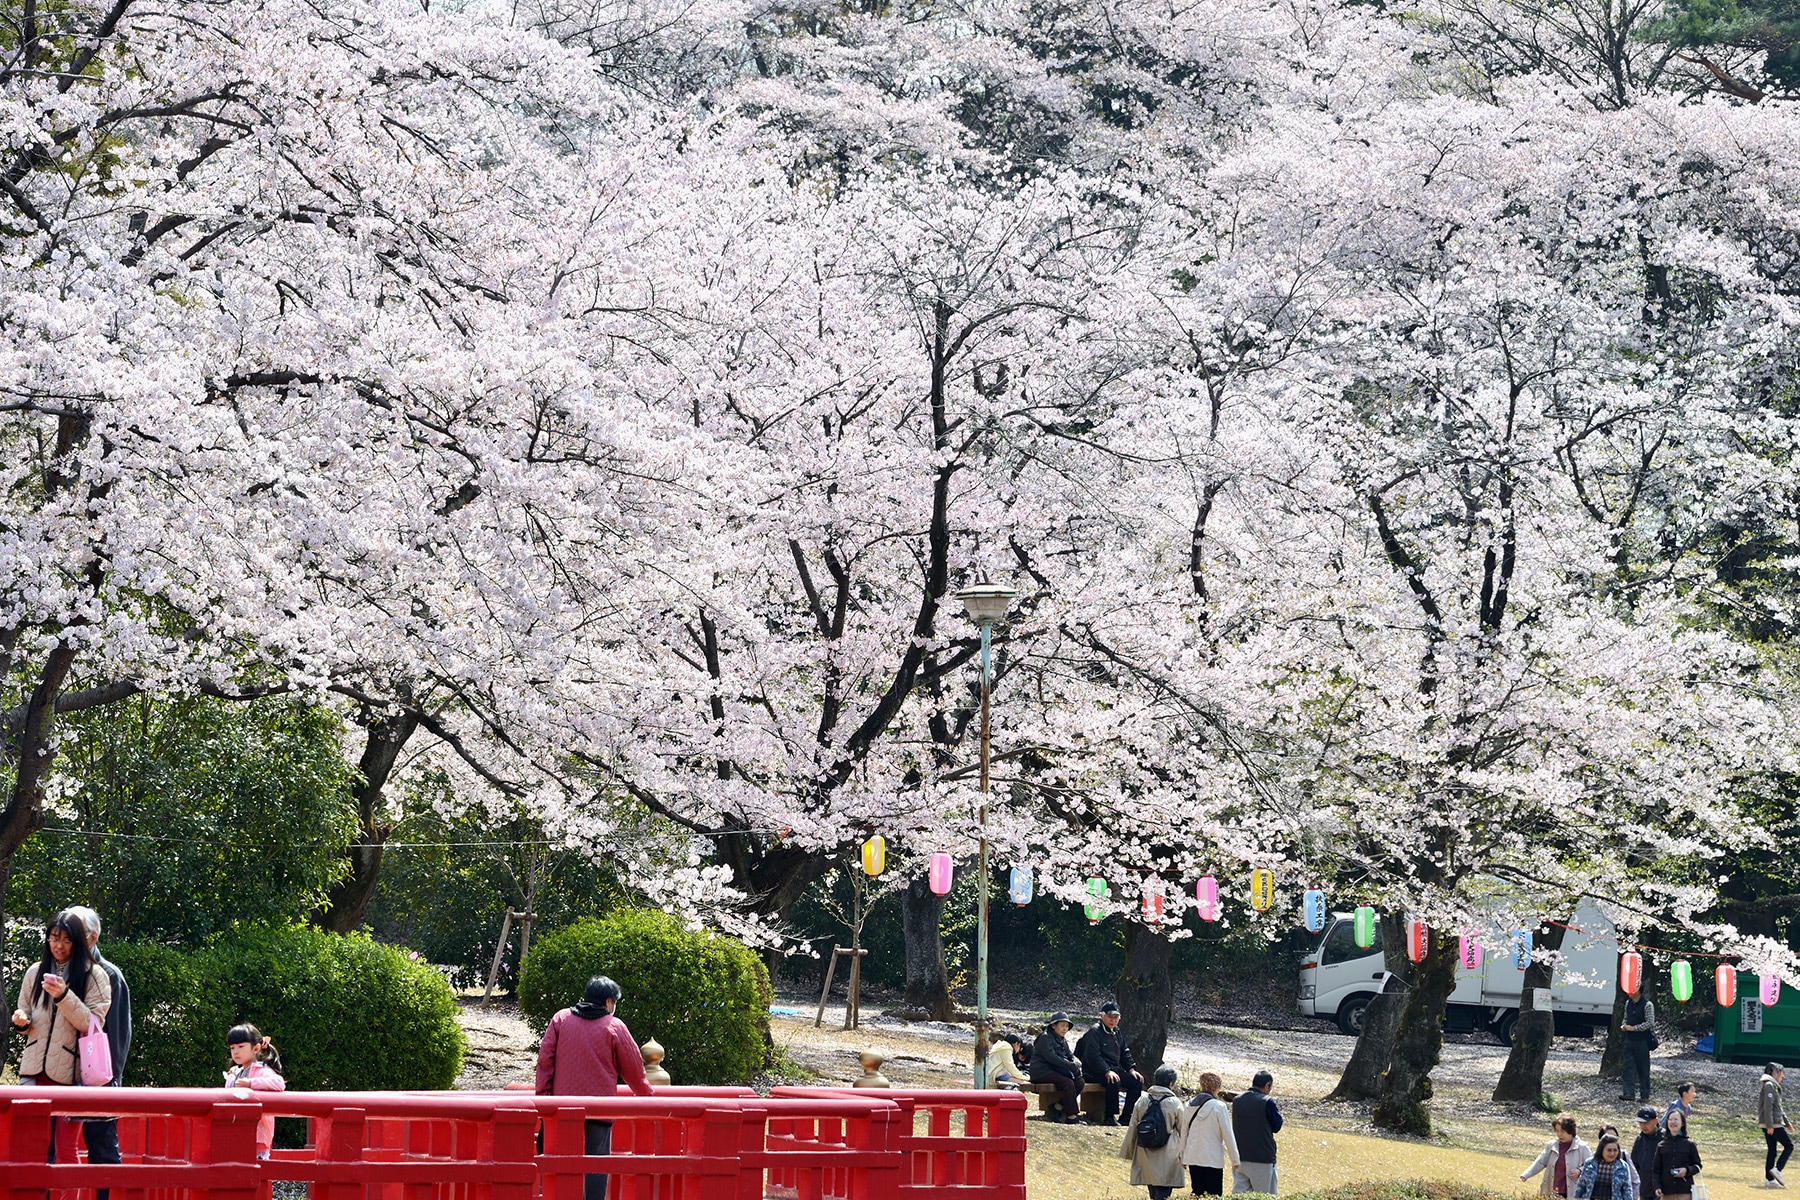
1768,989
1468,952
943,871
1206,892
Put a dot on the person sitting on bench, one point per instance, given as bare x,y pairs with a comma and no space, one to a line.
1052,1063
1106,1060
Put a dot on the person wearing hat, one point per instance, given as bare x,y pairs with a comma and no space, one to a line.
1106,1060
1052,1063
1643,1151
587,1051
1156,1167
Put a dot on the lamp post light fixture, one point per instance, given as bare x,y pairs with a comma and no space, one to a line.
986,604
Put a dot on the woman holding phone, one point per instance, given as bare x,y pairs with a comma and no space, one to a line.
58,995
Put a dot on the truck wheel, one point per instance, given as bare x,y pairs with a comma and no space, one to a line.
1505,1027
1351,1012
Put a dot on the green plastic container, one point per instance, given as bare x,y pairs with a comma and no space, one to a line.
1749,1033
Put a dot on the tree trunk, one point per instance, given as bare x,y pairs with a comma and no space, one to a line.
1405,1101
921,920
1612,1059
1146,995
1522,1079
1361,1079
349,899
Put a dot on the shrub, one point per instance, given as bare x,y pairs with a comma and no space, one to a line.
346,1012
179,1016
704,997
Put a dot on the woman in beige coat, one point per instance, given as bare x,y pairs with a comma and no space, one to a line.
1157,1168
59,993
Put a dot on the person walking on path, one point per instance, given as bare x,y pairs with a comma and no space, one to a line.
1207,1144
1643,1151
1562,1159
1608,1175
1639,1028
256,1065
1154,1145
102,1133
57,996
1051,1063
1777,1130
1677,1160
1255,1120
588,1051
1106,1060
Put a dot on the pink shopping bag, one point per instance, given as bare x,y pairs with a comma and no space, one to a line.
96,1055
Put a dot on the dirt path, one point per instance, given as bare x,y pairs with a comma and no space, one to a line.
1323,1144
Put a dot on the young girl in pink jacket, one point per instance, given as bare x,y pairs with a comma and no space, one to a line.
255,1065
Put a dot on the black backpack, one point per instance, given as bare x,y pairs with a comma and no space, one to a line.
1153,1127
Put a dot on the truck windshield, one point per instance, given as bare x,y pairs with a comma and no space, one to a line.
1340,944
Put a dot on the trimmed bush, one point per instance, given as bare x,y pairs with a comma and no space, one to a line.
704,997
346,1012
179,1016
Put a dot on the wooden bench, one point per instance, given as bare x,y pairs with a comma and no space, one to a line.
1092,1096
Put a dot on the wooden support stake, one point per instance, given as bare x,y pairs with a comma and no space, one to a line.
499,952
826,990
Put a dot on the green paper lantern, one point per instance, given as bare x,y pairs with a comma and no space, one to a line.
1096,887
1681,981
1365,926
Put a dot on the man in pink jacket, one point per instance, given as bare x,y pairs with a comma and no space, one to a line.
587,1051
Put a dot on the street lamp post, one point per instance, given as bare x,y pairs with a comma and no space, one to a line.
986,603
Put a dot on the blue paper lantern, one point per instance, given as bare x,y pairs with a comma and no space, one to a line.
1018,885
1314,908
1521,948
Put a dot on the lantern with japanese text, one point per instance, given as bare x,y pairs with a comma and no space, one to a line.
1096,887
1631,972
942,873
1364,926
1262,889
1206,895
1418,941
1153,901
1725,985
874,855
1768,990
1313,908
1521,940
1018,885
1468,953
1681,980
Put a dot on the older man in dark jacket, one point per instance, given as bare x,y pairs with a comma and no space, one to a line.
1106,1060
1051,1063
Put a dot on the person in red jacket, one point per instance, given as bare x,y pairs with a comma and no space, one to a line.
587,1051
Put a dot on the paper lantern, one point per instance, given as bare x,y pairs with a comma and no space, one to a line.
1768,990
1262,889
1468,953
1521,939
1725,985
1631,971
1153,902
1314,908
1206,894
1681,981
874,855
1365,926
1418,940
1018,885
943,871
1096,887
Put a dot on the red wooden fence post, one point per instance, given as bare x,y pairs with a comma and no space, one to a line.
24,1141
231,1141
565,1132
753,1130
340,1140
720,1136
515,1140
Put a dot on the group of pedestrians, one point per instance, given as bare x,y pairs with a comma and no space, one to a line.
73,992
1170,1141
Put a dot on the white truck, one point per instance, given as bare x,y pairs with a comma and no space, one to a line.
1338,978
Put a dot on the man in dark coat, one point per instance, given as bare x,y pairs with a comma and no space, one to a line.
1050,1063
1643,1151
1106,1060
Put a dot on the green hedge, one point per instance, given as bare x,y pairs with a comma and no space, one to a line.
704,997
347,1013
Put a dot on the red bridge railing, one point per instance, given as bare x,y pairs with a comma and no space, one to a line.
680,1144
